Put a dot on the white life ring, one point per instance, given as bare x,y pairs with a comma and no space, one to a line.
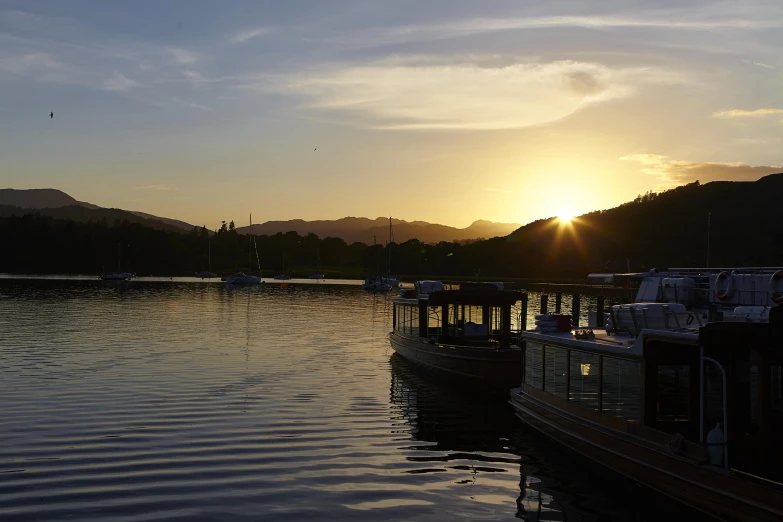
726,292
775,288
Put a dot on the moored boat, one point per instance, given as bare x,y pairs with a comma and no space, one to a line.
282,277
240,278
692,410
376,284
465,334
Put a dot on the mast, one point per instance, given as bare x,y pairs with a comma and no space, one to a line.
250,248
118,257
209,252
388,269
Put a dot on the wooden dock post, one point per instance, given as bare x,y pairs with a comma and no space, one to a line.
575,309
599,320
544,304
558,302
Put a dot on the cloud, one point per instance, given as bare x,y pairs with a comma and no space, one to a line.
739,113
247,35
673,172
693,19
182,56
759,64
154,187
468,93
119,83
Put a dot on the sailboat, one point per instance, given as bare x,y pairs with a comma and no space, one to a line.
208,274
118,275
283,277
317,274
376,283
391,281
241,278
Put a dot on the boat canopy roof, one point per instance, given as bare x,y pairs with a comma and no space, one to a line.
475,294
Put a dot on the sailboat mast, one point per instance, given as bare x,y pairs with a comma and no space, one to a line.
209,252
389,248
118,258
250,249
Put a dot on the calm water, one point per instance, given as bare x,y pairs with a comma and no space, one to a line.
192,401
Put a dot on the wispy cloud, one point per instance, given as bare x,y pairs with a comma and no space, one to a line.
249,34
182,56
153,187
671,172
741,113
119,82
425,93
759,64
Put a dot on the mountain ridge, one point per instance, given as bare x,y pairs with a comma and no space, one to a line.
58,204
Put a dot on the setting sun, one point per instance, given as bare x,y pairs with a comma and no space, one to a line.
565,216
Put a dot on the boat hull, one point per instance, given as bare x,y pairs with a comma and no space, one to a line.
725,496
489,369
117,276
243,280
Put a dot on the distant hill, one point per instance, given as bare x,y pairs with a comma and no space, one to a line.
363,230
663,230
39,198
84,214
58,204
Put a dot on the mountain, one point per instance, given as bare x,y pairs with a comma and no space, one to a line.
363,230
56,203
181,225
723,223
84,214
39,198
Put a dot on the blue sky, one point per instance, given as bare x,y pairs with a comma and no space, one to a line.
446,111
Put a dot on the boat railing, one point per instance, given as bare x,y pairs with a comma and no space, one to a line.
632,319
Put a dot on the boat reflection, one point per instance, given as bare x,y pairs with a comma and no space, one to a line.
554,484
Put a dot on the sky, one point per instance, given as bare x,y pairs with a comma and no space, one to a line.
446,111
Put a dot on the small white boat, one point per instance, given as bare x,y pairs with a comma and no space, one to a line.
392,282
117,276
241,278
282,277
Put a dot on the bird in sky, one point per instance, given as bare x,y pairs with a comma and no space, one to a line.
51,115
315,150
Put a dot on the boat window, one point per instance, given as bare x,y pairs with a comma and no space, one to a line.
556,371
434,320
413,320
585,380
621,391
533,365
674,393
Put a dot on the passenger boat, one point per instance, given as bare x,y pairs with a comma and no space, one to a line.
465,334
692,410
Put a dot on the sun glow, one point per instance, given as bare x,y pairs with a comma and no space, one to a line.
565,216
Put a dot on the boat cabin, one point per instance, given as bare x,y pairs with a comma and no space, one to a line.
711,394
477,314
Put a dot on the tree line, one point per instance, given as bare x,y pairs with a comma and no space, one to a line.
717,224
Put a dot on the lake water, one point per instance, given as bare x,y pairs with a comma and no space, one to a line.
192,401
